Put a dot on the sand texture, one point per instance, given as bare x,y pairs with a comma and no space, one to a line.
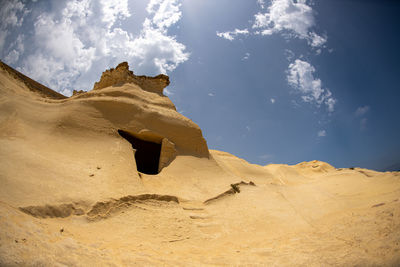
71,193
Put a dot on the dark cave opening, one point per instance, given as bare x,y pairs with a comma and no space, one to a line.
147,154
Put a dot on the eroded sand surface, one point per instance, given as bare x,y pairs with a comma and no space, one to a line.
71,194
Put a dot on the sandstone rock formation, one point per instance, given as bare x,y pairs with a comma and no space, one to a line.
134,104
121,75
71,194
150,115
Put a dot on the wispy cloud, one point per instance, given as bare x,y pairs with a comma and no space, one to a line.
246,56
361,111
289,54
290,18
321,133
211,94
272,100
261,3
300,76
12,57
12,14
231,35
286,17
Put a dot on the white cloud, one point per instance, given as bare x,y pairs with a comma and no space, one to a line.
300,76
289,54
287,16
12,14
293,19
361,111
321,133
113,10
60,40
211,94
231,35
12,57
330,101
248,128
60,51
246,56
153,48
165,13
317,40
51,71
261,20
261,3
17,46
272,100
87,37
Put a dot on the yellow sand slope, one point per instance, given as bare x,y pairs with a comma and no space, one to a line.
71,195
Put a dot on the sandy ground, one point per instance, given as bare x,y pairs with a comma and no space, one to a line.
70,195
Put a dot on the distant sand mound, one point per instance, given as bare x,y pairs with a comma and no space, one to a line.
315,166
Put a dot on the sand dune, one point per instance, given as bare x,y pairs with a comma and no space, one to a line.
71,193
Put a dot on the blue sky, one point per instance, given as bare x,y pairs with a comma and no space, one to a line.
277,81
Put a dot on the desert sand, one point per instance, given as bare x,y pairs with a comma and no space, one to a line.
71,193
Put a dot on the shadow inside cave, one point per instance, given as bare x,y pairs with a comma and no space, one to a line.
147,153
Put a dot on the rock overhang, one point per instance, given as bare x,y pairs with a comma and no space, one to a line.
119,100
148,113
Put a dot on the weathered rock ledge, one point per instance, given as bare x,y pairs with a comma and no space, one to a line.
121,75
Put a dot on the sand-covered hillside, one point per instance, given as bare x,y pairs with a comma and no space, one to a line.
117,177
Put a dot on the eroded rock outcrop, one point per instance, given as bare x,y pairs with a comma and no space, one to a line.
137,106
121,75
